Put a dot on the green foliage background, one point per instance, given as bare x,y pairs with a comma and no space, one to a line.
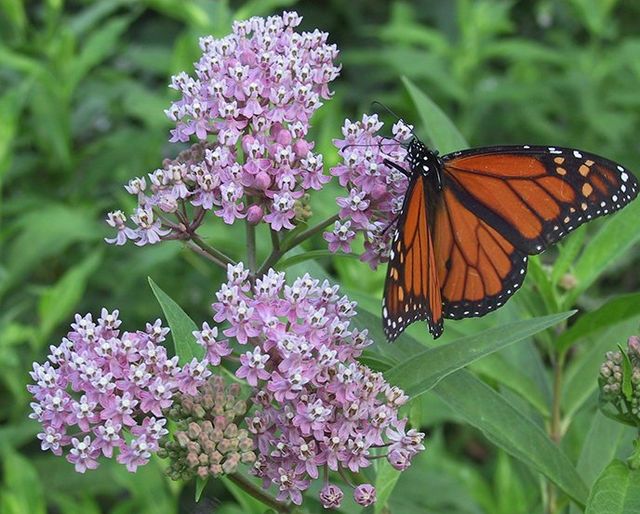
83,85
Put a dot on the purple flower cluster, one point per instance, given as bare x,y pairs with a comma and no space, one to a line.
316,406
375,191
255,91
101,391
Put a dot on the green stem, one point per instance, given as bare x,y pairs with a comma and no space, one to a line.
209,251
193,246
251,247
555,427
259,494
279,251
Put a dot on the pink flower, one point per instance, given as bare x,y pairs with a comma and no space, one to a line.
252,366
116,381
83,454
375,191
259,86
315,405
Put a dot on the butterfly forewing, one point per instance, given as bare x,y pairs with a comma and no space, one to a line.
535,195
412,291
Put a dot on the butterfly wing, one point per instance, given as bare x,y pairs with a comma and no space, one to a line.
412,291
534,195
478,268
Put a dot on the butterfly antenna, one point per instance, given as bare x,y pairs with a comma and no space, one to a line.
375,102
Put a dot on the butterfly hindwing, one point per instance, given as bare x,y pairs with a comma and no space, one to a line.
412,291
478,269
535,195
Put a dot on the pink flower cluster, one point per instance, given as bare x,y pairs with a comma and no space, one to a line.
317,408
375,191
259,86
102,390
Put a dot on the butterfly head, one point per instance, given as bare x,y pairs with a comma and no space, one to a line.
423,161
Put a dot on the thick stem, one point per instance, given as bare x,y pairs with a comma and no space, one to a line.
555,426
279,251
259,494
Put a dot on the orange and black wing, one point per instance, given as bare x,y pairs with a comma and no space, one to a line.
478,268
412,291
534,195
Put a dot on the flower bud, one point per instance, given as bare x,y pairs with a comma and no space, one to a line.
400,459
365,495
331,496
255,214
262,180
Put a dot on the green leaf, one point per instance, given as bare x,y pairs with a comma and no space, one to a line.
498,369
11,104
422,371
51,122
508,428
617,491
313,254
599,447
616,310
58,301
44,233
617,235
568,250
386,479
21,478
100,44
510,491
182,326
441,132
201,483
543,283
250,505
627,388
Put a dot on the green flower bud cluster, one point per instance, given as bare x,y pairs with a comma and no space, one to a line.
207,440
620,382
611,376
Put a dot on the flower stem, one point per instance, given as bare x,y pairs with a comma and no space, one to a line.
251,246
259,494
312,231
209,252
193,246
278,250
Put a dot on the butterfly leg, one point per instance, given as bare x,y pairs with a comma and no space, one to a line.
392,223
391,164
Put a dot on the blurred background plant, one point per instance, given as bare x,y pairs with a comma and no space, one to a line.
84,86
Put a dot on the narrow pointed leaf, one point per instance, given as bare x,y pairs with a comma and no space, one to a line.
182,326
423,370
508,428
614,311
441,131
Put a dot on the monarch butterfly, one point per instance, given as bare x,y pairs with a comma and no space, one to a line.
471,218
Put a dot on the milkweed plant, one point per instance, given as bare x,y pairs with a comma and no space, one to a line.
277,399
307,410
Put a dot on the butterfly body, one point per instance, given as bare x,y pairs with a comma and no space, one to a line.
471,218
